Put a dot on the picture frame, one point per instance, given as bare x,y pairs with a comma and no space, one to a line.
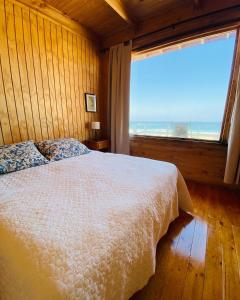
91,102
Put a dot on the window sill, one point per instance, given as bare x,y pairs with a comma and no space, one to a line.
174,139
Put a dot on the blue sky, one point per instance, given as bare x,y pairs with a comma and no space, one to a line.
185,85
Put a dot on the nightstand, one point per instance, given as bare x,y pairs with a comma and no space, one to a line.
102,145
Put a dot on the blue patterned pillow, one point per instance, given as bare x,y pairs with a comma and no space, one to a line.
20,156
61,148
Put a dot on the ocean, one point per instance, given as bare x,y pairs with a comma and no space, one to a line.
194,130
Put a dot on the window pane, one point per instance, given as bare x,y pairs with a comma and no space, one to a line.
182,93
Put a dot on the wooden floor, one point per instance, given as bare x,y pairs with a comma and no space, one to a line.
199,258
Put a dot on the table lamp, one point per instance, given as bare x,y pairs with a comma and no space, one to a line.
95,126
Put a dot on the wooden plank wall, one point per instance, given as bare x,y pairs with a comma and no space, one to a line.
45,69
197,160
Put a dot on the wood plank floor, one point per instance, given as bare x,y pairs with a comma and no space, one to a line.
199,257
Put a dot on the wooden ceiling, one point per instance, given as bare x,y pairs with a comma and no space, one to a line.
100,16
96,15
116,20
145,9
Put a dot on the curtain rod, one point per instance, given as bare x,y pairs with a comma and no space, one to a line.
173,26
231,25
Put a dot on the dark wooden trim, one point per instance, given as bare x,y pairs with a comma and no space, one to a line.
175,140
223,20
158,31
231,91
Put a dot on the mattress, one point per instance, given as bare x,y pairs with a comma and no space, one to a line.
85,227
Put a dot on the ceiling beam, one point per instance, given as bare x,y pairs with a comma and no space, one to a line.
197,4
121,10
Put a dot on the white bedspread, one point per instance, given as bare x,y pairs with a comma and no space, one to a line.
85,227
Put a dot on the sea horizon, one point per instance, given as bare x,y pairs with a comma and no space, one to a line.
183,129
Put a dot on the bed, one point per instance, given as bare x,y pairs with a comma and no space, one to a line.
85,227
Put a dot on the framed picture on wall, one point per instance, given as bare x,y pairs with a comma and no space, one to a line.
91,102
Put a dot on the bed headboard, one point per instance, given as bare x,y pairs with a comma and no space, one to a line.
45,69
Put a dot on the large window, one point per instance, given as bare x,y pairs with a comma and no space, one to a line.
181,91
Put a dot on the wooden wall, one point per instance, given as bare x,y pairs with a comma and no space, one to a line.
197,160
45,69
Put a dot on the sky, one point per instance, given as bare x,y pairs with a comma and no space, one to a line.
186,85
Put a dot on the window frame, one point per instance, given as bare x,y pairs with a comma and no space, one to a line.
232,85
232,88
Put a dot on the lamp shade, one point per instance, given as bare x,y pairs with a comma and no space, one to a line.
95,125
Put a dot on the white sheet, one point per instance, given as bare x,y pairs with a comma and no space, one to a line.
85,227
